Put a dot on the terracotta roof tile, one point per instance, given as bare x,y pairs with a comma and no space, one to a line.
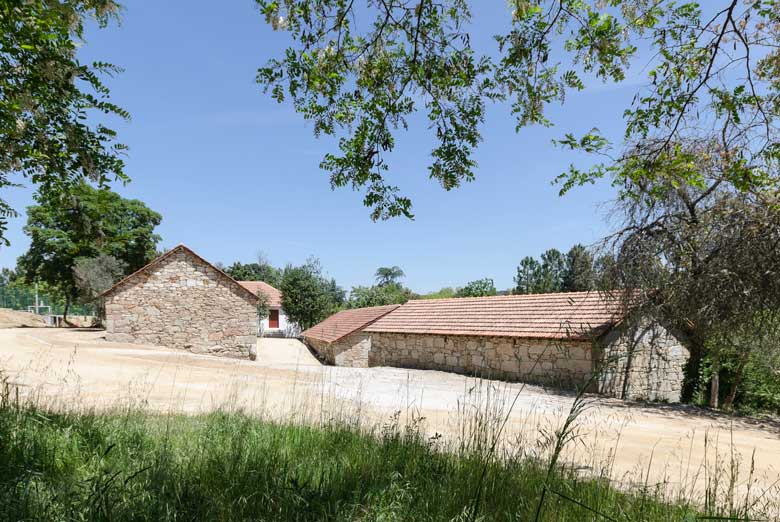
274,295
341,324
571,315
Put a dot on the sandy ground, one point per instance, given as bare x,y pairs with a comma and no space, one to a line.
15,319
634,444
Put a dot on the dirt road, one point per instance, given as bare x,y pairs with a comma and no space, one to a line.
69,368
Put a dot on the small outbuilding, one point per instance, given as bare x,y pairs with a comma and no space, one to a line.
182,301
561,339
276,324
340,339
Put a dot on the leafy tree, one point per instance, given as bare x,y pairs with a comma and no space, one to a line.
87,223
378,295
708,68
8,276
606,272
94,275
262,270
443,293
337,294
706,256
307,296
386,275
478,288
552,272
579,274
48,99
528,276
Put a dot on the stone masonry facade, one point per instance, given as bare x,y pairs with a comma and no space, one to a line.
643,362
183,302
559,363
351,351
637,363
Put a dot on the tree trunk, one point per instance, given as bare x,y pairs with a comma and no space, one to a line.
728,402
715,385
65,311
692,369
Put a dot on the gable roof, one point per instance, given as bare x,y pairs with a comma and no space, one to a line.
341,324
274,295
171,252
570,315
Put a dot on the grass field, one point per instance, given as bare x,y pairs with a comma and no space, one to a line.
132,465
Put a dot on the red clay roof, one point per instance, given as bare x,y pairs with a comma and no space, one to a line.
159,259
274,295
571,315
341,324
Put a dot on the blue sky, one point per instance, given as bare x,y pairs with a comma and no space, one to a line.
233,173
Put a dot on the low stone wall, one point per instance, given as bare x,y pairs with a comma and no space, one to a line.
183,303
559,363
635,363
352,351
642,363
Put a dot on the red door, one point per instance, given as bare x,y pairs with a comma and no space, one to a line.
273,319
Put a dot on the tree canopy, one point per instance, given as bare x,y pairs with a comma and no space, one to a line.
573,272
479,288
261,270
87,223
378,295
706,256
48,98
362,72
308,296
386,275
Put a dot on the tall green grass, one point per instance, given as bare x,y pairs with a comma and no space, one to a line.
131,465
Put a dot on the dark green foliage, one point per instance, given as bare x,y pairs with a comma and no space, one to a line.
386,275
364,71
260,271
574,272
8,276
478,288
378,295
534,277
580,274
227,467
87,223
307,296
527,276
553,269
94,275
48,98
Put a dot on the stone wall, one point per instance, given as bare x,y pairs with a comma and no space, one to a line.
559,363
637,363
182,302
351,351
642,362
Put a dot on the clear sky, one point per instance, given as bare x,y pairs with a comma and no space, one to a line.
233,173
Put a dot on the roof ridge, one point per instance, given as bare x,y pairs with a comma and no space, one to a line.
162,257
518,296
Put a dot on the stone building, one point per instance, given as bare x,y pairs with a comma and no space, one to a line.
565,339
182,301
340,339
